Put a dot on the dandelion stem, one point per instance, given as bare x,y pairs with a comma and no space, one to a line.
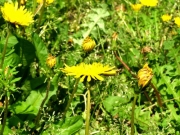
42,104
132,114
157,95
5,114
41,12
5,48
6,97
34,6
71,98
125,65
88,112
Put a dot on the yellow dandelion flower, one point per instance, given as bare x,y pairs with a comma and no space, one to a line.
90,71
166,18
47,1
88,44
144,75
151,3
51,61
15,15
136,7
177,21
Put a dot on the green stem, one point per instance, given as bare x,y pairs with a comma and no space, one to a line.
41,13
71,98
132,115
6,97
5,48
102,45
5,114
42,104
34,6
156,26
88,112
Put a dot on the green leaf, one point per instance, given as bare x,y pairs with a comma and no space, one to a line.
68,127
71,125
41,50
33,101
16,80
12,41
101,12
12,59
14,121
96,18
168,44
112,103
100,23
173,111
36,82
7,130
26,51
73,58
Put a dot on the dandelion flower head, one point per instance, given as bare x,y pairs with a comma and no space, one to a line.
51,61
88,44
90,71
15,15
151,3
177,21
136,7
144,75
166,18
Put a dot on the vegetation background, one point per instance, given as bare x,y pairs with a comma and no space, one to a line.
135,36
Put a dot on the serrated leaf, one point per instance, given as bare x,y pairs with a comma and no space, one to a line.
12,59
173,111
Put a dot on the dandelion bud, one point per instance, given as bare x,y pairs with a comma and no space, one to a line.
88,44
23,2
144,75
51,61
